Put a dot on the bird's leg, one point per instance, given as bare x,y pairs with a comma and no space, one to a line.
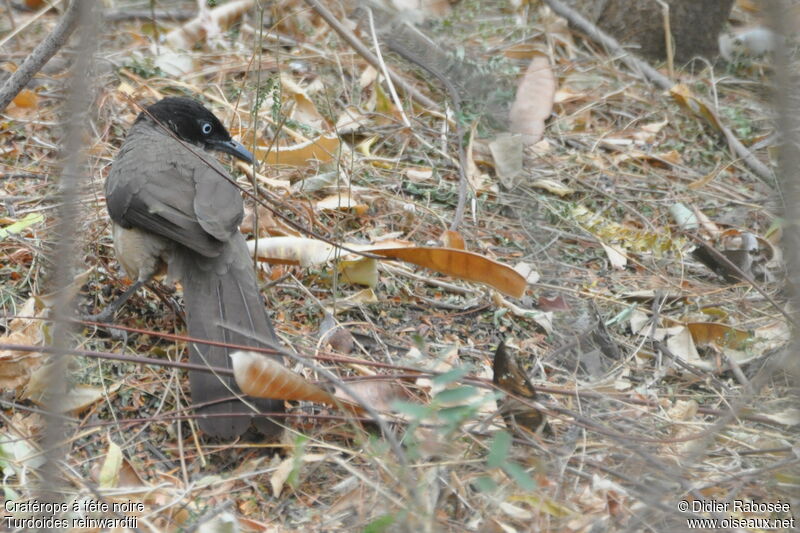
108,313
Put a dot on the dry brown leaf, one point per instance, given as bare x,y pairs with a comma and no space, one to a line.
521,51
261,377
362,271
534,100
365,296
557,303
552,186
26,99
453,239
292,250
461,264
337,336
474,175
378,394
266,220
247,169
351,120
687,99
282,472
719,334
663,160
342,201
421,10
419,174
616,255
543,318
304,110
788,417
682,345
323,149
17,367
506,150
78,399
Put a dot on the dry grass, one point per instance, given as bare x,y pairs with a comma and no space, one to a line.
637,424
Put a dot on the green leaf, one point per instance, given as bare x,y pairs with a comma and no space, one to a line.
414,410
523,479
485,484
380,524
456,394
451,376
498,449
455,414
29,220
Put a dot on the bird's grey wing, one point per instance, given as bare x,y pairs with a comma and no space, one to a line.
217,202
147,192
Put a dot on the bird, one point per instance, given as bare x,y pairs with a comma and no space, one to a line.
175,210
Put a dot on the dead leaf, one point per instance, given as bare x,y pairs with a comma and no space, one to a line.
292,250
544,319
266,220
378,394
557,303
26,99
112,465
527,271
304,111
552,186
682,345
322,149
453,239
534,100
461,264
616,256
78,399
247,170
342,201
287,466
362,271
521,51
17,367
687,99
351,120
208,23
419,174
474,175
719,334
262,377
506,151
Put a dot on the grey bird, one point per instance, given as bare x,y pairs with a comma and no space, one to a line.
174,210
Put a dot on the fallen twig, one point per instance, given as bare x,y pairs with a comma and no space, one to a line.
364,52
40,55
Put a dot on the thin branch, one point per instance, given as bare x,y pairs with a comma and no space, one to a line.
74,119
40,55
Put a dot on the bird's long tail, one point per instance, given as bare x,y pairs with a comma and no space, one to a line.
223,304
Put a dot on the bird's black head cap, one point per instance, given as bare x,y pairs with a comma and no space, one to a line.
194,123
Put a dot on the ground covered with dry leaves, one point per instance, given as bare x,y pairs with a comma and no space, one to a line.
652,326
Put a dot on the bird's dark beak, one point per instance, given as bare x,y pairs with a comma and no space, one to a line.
236,149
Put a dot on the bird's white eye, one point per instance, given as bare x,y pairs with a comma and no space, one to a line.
205,128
